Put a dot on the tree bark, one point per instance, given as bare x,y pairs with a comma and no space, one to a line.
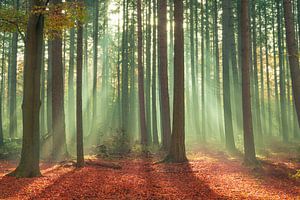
293,54
249,149
29,163
177,147
79,125
163,73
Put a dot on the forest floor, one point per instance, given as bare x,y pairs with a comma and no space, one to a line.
208,175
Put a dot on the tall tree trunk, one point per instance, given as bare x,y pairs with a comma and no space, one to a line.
229,138
217,72
293,54
2,89
269,127
49,89
154,72
281,74
95,63
247,115
177,146
143,127
71,94
29,163
148,74
79,125
195,101
163,73
13,83
255,73
59,151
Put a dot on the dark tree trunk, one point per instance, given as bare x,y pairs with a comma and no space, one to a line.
163,73
293,54
154,72
177,146
59,151
255,73
142,114
229,138
247,115
79,125
29,163
281,75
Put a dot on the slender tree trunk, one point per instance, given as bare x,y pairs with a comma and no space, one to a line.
217,72
79,125
255,73
195,101
281,74
269,127
143,127
163,73
59,151
293,54
247,115
29,163
229,138
13,83
71,94
148,74
95,63
154,72
49,89
2,89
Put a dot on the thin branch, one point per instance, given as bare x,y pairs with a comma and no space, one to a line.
16,25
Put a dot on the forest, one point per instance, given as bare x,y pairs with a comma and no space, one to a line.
149,99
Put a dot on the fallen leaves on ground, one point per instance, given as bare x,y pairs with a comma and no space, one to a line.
207,176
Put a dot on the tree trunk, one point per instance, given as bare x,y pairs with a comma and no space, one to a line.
177,147
29,163
293,54
79,126
71,94
163,73
247,115
281,74
95,63
229,138
59,151
154,72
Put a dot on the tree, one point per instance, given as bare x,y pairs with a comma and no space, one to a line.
163,73
246,96
79,126
293,54
154,72
59,151
229,138
142,114
177,147
13,82
95,61
29,163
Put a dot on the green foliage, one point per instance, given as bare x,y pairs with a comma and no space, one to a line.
12,20
58,18
61,17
